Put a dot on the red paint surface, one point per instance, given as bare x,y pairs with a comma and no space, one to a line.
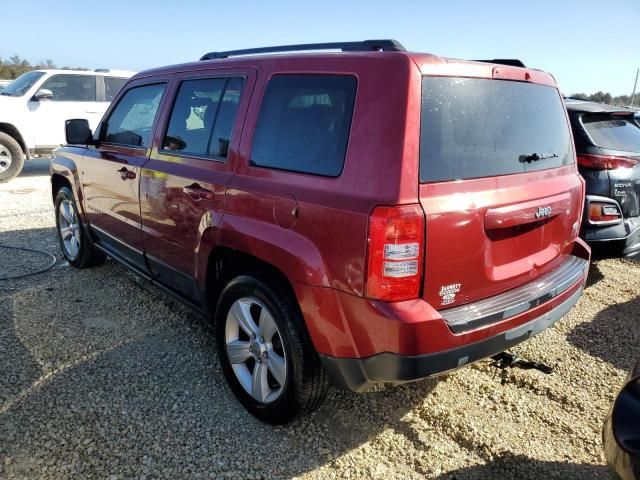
323,250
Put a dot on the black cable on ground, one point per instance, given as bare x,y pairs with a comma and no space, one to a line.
34,250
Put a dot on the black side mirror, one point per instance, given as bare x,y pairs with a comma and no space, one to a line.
625,417
78,132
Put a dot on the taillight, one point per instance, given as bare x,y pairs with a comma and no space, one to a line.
605,162
395,253
603,212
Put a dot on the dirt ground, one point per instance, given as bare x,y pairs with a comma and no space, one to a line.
102,376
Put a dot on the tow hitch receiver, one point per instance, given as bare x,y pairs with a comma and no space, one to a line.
509,360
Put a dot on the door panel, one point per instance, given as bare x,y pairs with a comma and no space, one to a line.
74,96
111,172
110,182
183,185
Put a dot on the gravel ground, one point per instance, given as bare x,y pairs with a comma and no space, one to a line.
102,376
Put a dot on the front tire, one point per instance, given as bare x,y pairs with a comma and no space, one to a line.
76,246
11,158
265,351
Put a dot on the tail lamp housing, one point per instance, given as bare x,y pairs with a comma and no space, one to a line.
600,212
395,255
605,162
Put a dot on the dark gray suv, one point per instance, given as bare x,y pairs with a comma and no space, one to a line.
607,140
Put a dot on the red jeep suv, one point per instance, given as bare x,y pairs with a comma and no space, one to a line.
359,216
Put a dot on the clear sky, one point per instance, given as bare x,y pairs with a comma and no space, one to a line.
588,45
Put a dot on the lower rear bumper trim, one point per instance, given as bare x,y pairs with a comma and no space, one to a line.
359,374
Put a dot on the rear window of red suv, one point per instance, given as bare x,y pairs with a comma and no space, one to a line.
473,128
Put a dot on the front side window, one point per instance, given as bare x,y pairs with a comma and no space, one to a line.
72,88
304,123
131,120
22,84
202,116
112,86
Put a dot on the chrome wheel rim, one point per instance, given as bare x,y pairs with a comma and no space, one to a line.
255,350
5,159
69,229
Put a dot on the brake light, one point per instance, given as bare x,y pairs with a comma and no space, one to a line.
603,212
605,162
395,253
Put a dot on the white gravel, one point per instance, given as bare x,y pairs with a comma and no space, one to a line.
103,377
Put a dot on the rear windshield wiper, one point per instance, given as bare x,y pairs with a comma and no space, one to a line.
534,157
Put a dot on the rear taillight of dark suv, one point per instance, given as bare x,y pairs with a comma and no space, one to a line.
395,253
605,162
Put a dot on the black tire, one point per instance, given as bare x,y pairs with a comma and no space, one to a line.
306,382
87,255
17,157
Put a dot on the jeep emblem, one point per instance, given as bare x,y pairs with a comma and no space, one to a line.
543,212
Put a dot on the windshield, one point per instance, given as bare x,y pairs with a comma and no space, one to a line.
613,133
473,127
22,84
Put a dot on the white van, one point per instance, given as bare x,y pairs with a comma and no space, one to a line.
35,106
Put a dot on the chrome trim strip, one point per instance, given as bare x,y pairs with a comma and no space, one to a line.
516,301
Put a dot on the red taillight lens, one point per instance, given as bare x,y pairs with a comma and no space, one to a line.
395,253
603,212
605,162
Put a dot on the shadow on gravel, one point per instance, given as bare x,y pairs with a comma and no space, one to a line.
613,335
18,368
521,467
595,275
159,407
35,167
137,389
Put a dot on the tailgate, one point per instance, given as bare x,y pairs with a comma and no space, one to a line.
498,186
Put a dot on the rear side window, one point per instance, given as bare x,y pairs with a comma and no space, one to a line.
202,117
614,133
131,120
474,128
112,85
304,123
72,88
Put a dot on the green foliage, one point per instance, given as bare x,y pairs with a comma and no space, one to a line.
602,97
16,66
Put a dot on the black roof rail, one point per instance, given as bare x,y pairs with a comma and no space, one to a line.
514,62
363,46
102,70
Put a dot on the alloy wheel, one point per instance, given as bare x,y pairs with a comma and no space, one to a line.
5,158
255,349
69,229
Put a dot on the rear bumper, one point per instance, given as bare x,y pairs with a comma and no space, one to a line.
358,374
625,235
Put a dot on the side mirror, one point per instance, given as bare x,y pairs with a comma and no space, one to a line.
625,417
43,94
78,132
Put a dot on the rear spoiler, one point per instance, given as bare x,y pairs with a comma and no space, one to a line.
514,62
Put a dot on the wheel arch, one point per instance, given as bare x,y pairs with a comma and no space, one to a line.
14,133
224,263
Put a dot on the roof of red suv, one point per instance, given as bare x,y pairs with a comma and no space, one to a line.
376,49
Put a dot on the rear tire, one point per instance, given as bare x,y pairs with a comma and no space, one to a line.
74,240
11,158
294,380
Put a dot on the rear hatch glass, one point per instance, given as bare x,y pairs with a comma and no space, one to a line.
501,195
621,134
613,132
474,127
